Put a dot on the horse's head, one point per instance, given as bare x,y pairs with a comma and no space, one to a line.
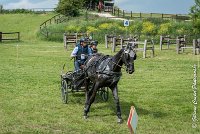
128,58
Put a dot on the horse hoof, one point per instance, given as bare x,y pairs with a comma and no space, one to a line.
119,121
85,117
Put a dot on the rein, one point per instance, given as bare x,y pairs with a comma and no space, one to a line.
118,63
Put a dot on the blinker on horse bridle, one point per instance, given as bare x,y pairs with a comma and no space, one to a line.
124,52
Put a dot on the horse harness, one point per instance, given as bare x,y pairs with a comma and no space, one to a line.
104,69
103,65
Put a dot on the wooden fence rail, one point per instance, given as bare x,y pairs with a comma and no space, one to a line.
73,38
144,46
169,40
182,42
5,36
130,15
54,20
195,47
119,40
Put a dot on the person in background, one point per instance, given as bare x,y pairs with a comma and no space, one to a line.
93,47
100,5
80,53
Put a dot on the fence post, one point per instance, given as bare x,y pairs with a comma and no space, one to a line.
162,15
153,49
177,46
54,19
131,14
140,15
194,46
106,40
198,45
114,44
151,14
168,42
65,40
76,34
0,36
1,8
161,40
118,12
121,42
18,36
145,49
123,14
114,11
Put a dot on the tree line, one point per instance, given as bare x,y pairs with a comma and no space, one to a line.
195,13
73,7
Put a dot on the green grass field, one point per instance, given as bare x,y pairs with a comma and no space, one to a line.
30,101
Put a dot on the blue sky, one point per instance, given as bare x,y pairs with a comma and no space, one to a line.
155,6
12,4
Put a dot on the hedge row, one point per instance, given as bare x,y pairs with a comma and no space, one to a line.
99,27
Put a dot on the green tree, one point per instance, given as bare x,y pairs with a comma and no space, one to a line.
90,4
1,8
195,13
70,7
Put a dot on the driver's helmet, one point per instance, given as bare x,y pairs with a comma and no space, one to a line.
83,40
94,43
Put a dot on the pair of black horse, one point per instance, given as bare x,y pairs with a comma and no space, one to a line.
105,71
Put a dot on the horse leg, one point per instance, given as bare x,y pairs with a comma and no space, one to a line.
87,95
116,98
91,99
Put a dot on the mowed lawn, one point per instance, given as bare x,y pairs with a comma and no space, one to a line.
30,102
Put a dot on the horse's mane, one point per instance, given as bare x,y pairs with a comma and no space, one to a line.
117,54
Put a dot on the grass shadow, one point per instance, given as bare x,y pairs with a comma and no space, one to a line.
79,98
125,109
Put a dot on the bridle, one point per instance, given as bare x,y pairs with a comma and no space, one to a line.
117,64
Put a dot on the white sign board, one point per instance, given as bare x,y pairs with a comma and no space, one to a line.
126,23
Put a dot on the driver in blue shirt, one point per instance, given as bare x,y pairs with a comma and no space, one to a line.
80,53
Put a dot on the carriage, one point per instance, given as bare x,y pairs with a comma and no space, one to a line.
99,71
70,82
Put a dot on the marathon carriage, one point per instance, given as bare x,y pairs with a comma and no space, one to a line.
73,81
70,82
99,71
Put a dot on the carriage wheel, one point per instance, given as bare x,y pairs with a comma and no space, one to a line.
104,93
64,91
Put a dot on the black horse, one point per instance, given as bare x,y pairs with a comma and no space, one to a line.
105,71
